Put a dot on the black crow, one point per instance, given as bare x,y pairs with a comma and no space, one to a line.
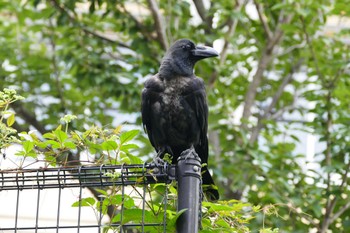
174,107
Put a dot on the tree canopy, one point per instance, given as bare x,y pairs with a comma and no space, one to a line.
278,93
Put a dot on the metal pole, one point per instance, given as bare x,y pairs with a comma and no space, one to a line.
189,180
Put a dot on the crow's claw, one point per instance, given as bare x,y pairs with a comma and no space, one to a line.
158,161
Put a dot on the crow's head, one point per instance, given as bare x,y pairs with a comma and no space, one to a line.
181,57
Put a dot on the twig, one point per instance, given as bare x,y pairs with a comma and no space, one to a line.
264,61
262,18
232,25
56,70
276,97
284,120
311,47
340,212
160,27
203,13
341,187
73,20
28,117
200,9
139,25
281,88
330,204
291,48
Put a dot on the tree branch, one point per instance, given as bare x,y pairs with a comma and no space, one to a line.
281,88
311,47
253,86
73,20
264,61
55,70
203,13
160,27
340,212
201,9
330,204
268,111
28,117
291,48
262,18
139,25
232,25
341,187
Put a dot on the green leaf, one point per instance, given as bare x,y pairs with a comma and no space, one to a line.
127,136
137,215
28,146
278,6
135,159
53,144
109,145
32,154
51,159
171,223
49,136
93,147
10,120
61,136
103,192
127,147
223,223
20,153
224,206
89,201
117,200
124,158
69,145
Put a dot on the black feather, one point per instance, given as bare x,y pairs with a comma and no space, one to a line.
174,106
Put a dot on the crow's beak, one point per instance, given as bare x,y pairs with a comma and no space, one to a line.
201,52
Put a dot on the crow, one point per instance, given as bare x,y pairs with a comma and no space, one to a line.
174,107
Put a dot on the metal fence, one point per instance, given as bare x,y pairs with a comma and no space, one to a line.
113,194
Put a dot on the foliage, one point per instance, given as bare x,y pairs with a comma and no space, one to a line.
99,146
112,147
7,133
279,85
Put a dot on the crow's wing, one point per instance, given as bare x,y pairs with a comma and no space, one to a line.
150,95
197,100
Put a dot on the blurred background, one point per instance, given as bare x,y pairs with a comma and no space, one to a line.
278,95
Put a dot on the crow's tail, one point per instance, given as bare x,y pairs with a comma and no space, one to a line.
209,187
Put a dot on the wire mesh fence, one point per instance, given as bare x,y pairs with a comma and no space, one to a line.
86,199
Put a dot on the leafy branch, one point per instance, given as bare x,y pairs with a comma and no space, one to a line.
7,97
87,31
111,146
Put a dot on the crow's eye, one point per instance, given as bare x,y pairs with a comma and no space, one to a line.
186,47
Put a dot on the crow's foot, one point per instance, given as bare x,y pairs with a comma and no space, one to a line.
158,161
189,152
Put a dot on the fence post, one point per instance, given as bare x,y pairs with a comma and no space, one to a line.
189,182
